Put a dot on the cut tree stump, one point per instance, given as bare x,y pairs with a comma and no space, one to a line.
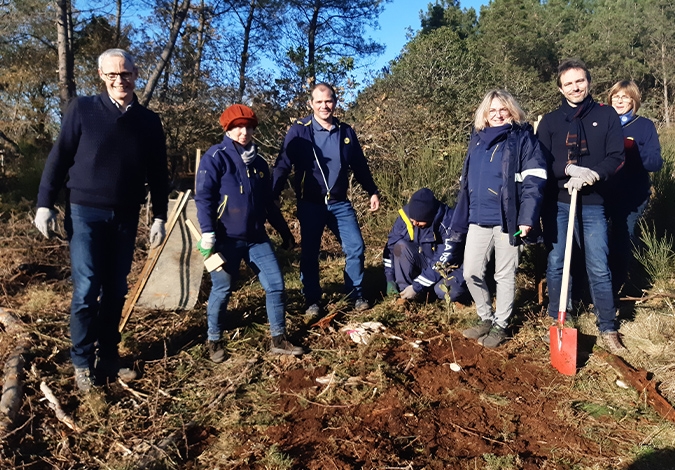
637,378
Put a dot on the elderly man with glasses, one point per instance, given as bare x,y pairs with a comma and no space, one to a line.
108,148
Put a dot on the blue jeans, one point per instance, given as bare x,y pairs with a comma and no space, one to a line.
340,218
260,257
590,234
101,250
409,263
623,219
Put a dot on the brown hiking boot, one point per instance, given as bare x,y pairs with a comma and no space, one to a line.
479,330
281,345
216,350
613,342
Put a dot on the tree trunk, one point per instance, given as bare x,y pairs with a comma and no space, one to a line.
180,12
64,33
666,105
311,44
244,51
196,75
118,23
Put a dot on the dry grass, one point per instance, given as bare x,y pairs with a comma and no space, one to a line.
190,413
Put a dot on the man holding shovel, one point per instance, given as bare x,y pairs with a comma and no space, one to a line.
584,143
108,148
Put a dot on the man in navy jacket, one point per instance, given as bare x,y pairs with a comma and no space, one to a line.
420,255
108,148
323,150
584,143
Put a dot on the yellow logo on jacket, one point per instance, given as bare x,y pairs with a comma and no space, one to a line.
347,140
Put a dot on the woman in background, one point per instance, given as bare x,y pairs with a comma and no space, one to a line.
500,196
630,188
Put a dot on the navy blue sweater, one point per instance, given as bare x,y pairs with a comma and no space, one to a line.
631,186
107,156
298,151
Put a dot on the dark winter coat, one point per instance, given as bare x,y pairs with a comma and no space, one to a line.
234,199
298,151
434,242
632,186
522,190
605,146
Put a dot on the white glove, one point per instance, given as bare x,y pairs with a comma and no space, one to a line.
157,233
574,183
408,293
208,240
586,174
45,219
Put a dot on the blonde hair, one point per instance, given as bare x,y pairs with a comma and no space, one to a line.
509,102
631,89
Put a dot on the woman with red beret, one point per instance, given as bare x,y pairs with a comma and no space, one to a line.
233,198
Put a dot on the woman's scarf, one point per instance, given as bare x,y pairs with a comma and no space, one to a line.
628,117
248,153
491,135
576,135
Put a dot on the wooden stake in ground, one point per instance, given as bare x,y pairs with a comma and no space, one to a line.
152,259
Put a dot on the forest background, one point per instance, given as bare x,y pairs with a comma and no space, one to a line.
199,56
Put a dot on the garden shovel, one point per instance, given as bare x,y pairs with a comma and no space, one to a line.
564,340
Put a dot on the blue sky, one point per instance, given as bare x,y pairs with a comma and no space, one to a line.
398,16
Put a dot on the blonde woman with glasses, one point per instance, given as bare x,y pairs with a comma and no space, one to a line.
498,206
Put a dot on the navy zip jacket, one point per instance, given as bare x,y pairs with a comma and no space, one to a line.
298,151
234,200
434,242
523,183
107,156
605,146
631,186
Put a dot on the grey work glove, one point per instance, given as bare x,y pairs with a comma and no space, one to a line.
408,293
157,233
588,176
574,183
45,220
206,244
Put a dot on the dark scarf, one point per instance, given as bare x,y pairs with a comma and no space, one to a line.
576,135
491,135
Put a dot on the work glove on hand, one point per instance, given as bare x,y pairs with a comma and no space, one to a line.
408,293
574,183
392,288
45,220
587,175
157,233
206,243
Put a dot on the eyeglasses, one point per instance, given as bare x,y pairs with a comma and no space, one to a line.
501,112
621,98
112,76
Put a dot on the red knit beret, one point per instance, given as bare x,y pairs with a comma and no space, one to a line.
238,115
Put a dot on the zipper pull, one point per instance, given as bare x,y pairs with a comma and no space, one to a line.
327,197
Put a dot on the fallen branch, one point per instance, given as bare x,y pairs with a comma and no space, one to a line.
657,295
54,404
12,388
637,378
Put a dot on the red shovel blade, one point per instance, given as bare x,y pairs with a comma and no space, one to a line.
564,349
